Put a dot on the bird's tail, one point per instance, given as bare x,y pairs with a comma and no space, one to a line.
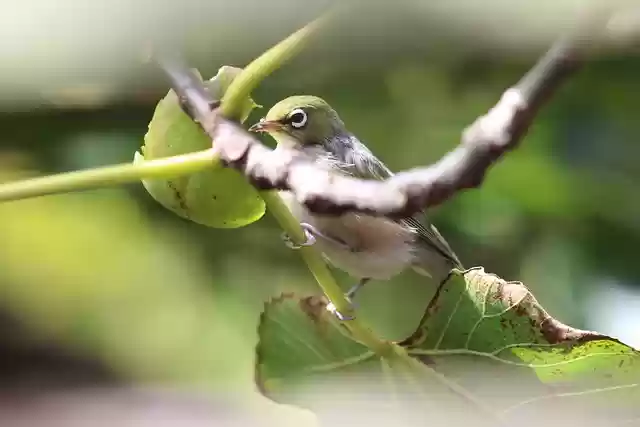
434,257
432,264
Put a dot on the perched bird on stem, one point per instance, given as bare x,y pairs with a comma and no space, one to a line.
365,247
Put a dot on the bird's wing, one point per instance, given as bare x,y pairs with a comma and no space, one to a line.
368,166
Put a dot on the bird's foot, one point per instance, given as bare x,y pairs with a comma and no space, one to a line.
341,317
309,236
351,293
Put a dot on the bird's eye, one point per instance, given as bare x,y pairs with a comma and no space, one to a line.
297,118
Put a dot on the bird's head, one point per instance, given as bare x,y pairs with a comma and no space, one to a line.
301,120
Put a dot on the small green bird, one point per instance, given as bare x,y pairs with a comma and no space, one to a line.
365,247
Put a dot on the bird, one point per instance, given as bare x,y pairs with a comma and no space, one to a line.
365,247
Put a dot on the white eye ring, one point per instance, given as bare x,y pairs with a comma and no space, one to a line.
298,118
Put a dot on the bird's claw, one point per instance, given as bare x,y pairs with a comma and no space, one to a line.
310,233
341,317
349,297
310,238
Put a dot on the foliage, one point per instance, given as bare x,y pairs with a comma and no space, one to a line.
216,197
489,343
483,345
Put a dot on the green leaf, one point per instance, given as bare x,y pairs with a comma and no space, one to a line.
494,339
307,358
298,338
220,197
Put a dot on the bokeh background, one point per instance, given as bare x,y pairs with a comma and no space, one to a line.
108,287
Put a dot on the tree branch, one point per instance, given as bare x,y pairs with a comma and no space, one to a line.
483,143
491,136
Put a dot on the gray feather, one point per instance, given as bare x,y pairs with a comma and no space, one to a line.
352,157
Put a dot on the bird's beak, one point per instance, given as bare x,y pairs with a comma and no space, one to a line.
265,126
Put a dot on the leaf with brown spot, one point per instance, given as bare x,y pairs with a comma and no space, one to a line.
219,198
299,337
494,339
305,357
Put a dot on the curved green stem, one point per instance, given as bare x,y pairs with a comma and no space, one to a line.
323,276
169,167
190,163
239,90
264,65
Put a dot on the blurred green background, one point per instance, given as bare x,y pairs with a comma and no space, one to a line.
131,292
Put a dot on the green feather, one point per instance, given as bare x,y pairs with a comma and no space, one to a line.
323,122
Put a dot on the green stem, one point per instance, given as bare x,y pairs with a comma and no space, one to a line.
168,167
263,66
190,163
323,276
239,90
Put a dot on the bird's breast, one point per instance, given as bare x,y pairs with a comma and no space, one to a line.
375,247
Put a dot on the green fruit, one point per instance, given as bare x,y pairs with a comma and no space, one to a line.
220,197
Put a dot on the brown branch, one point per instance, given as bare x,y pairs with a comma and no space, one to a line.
491,136
483,143
194,97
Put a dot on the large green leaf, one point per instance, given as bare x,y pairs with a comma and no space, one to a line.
298,338
305,357
220,197
492,355
494,339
